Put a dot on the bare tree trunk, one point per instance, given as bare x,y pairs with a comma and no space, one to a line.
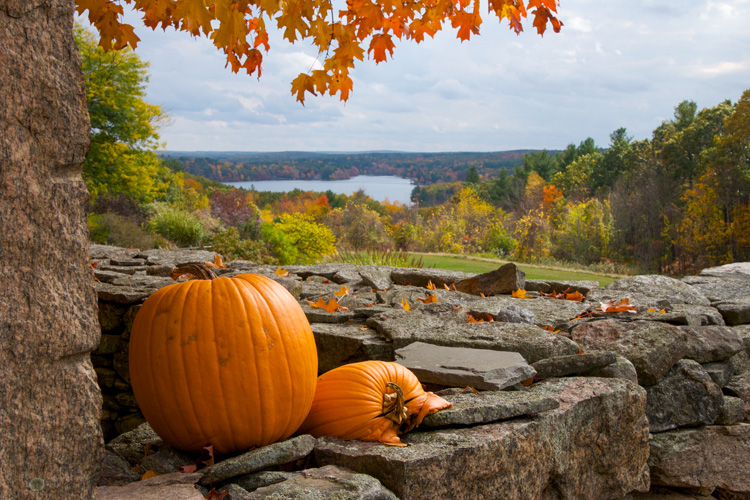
50,437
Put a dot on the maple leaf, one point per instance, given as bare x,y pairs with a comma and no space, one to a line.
519,294
549,329
575,296
431,285
379,45
452,287
612,307
331,306
430,299
343,291
281,272
405,305
473,319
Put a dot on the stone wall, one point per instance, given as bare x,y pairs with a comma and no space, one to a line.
657,397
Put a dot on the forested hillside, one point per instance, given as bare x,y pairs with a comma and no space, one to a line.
422,168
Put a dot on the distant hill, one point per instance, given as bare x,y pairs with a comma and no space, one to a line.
422,168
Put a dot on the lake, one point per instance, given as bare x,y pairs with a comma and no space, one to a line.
377,187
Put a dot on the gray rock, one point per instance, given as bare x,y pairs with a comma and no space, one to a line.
483,407
377,278
652,347
483,369
502,280
735,269
166,460
108,252
318,315
739,386
350,342
329,482
251,482
713,456
115,470
235,492
659,287
546,311
573,451
122,294
422,277
247,266
111,317
621,368
175,486
735,312
707,344
515,314
260,458
547,286
720,372
124,269
719,289
575,364
340,273
686,396
532,342
732,411
132,445
175,258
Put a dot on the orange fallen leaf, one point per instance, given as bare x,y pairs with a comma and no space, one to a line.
519,294
575,296
281,272
527,382
148,474
550,329
612,307
663,311
452,287
430,299
405,305
482,295
331,306
651,310
343,291
431,285
473,319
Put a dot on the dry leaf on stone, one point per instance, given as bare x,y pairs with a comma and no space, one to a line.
343,291
148,474
281,272
431,285
430,299
405,305
612,307
332,306
519,294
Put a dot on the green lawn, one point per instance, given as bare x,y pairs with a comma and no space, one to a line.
473,265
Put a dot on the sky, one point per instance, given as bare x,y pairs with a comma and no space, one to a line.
614,64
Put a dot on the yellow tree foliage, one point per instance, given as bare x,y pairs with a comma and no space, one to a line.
703,235
240,28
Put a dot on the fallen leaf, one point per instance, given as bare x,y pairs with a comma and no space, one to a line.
550,329
405,305
481,295
332,306
188,469
473,319
216,264
281,272
575,296
612,307
343,291
651,310
431,285
519,294
148,474
430,299
215,495
527,382
663,311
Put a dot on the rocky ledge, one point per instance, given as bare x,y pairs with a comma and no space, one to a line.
644,402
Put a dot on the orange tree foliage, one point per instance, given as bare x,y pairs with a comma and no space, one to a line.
240,28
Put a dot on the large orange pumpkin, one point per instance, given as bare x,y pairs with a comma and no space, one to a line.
371,401
229,362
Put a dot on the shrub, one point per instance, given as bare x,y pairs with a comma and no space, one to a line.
179,226
118,230
279,244
232,246
311,239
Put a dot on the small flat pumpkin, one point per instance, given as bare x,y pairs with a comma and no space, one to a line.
371,401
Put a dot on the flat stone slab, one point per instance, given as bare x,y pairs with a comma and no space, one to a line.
575,364
532,342
259,459
483,407
329,482
659,287
735,269
735,312
483,369
573,450
346,343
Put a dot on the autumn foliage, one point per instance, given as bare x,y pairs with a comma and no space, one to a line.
239,28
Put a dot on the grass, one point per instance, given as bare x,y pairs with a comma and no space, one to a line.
482,265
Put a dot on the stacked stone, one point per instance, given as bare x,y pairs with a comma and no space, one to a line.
669,380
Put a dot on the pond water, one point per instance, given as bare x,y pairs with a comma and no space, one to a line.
377,187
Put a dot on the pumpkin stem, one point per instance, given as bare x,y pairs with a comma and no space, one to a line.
394,408
197,270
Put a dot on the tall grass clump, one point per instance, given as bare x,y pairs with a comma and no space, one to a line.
376,258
